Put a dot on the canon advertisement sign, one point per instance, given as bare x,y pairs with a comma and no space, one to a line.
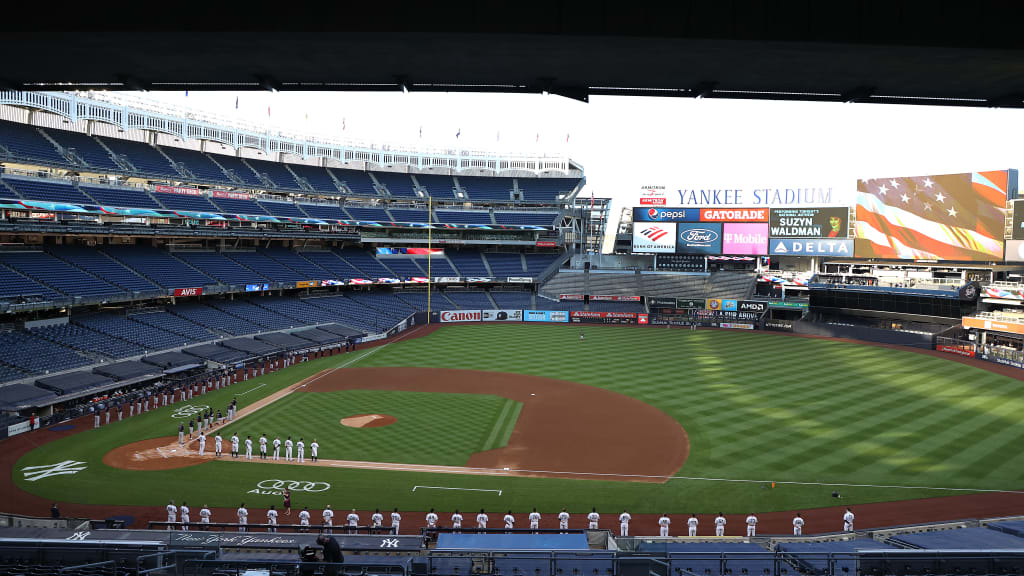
461,316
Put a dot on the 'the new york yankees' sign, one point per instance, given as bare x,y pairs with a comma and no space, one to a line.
33,473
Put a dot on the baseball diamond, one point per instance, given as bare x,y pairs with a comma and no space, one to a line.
649,419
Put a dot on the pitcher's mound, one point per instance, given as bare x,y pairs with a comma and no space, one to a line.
368,420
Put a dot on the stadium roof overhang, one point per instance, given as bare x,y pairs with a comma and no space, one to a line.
943,52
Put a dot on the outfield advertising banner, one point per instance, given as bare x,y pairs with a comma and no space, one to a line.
809,222
752,306
720,304
962,350
582,317
1018,220
460,316
779,325
736,325
666,215
613,298
656,238
447,279
811,247
994,325
745,239
734,215
545,316
699,239
1015,250
502,315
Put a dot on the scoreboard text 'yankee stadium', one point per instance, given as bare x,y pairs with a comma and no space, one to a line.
756,197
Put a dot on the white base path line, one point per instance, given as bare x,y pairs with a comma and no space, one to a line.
251,389
450,488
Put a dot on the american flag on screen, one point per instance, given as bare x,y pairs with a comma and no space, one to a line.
945,217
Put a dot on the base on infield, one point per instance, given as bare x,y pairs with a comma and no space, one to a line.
368,420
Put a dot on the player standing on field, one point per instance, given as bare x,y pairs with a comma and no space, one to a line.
594,518
848,520
481,519
396,521
202,443
272,519
304,519
328,516
248,447
624,523
798,525
172,514
663,523
204,515
431,519
288,449
184,515
314,450
751,525
234,445
457,520
376,519
720,525
263,447
692,525
534,519
277,448
243,517
563,520
300,450
510,520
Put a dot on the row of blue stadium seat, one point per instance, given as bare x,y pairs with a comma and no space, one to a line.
30,144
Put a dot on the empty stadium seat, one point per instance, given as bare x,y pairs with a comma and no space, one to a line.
86,148
506,264
325,211
57,274
470,300
357,181
120,197
199,164
145,158
185,202
47,190
407,215
487,188
102,266
546,190
468,262
218,265
463,216
239,169
317,177
437,185
27,143
158,266
283,209
526,218
399,185
276,172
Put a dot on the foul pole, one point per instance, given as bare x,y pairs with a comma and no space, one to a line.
430,238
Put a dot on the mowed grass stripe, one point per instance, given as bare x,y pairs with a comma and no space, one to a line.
497,430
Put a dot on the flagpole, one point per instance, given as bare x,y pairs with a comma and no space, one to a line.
430,238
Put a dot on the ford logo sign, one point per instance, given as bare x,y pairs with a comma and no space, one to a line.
698,235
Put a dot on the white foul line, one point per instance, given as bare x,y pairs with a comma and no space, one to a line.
251,389
450,488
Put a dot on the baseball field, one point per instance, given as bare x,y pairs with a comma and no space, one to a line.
647,419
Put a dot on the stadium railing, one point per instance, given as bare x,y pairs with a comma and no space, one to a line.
243,567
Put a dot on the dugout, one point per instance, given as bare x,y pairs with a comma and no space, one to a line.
251,347
169,360
128,370
318,336
216,353
283,340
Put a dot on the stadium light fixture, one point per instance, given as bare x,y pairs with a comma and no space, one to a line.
403,83
269,84
704,89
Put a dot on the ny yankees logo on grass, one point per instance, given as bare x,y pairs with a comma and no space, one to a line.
33,473
275,487
189,410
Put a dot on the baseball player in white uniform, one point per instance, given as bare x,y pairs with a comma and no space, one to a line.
510,520
304,519
353,518
288,449
798,525
663,523
243,517
720,525
300,451
751,525
204,515
248,447
691,525
563,520
202,443
624,523
172,513
184,516
377,519
272,519
277,448
593,519
314,449
396,521
328,516
481,519
263,447
457,520
534,519
218,443
234,445
431,519
848,521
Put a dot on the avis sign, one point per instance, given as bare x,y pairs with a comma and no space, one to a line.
178,292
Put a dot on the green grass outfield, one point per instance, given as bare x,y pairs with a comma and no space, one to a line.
756,406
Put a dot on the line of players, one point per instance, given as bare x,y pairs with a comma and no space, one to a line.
299,447
377,520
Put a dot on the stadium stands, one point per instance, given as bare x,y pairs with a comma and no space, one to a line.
86,148
398,184
57,274
235,166
471,299
267,266
814,556
27,143
537,263
88,341
14,286
463,216
333,264
468,262
439,266
144,335
355,314
960,539
373,214
317,177
403,267
47,190
285,209
185,202
219,266
437,185
506,264
327,211
214,319
601,306
276,172
370,266
119,197
238,206
145,158
481,188
158,266
198,164
513,300
406,215
735,285
418,300
546,190
175,325
358,182
32,353
254,314
526,218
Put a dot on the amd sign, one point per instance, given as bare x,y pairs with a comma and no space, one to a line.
752,306
461,316
188,292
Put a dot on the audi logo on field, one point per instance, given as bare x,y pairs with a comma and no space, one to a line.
275,487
